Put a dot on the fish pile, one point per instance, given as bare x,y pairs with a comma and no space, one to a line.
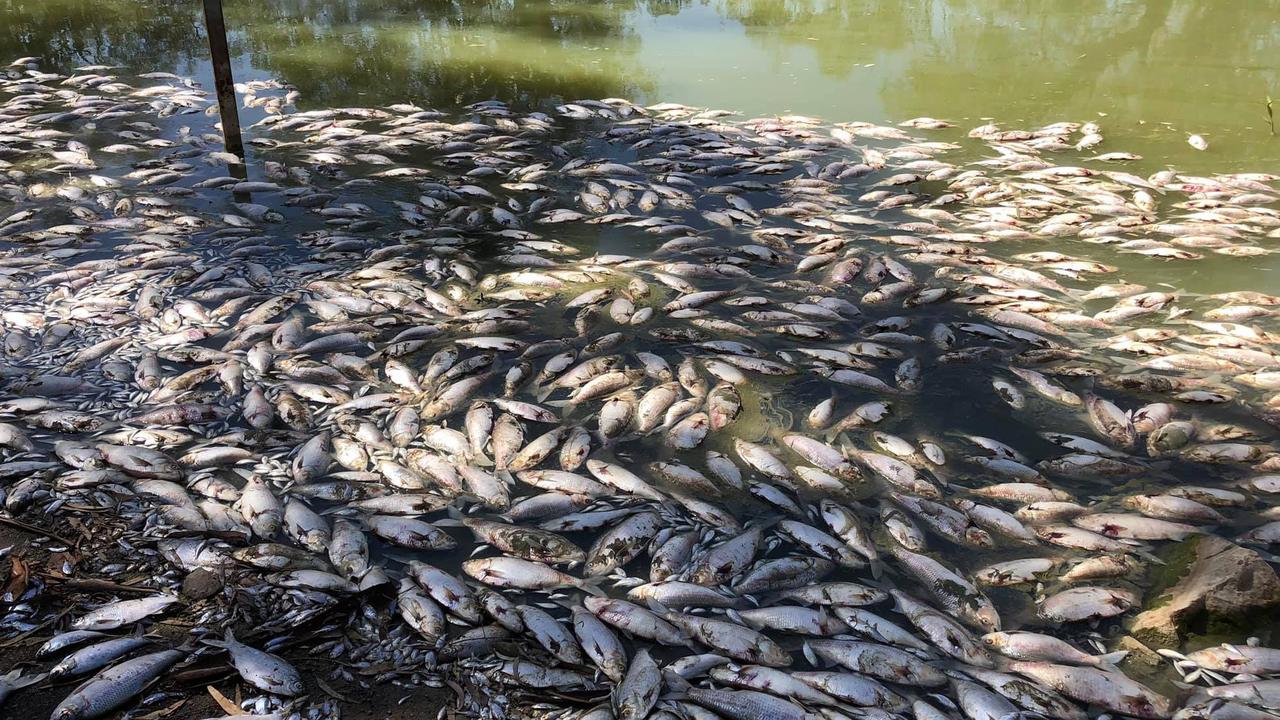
622,411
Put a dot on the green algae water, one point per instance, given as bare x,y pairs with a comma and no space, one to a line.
1150,72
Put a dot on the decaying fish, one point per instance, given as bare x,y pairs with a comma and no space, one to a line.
316,385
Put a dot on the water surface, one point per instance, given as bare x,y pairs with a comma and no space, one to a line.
1151,71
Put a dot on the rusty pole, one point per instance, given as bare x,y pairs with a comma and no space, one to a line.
217,31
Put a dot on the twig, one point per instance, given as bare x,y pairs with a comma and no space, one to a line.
330,691
94,584
19,638
35,529
202,674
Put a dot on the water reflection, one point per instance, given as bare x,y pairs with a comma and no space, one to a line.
448,53
1194,64
140,33
1149,60
1148,65
1199,66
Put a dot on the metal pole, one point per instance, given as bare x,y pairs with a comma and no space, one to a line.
217,30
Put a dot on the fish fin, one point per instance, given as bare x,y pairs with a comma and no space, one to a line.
1109,660
454,520
677,686
30,680
229,639
658,608
877,567
811,656
15,681
952,670
766,523
1147,555
564,601
591,585
542,392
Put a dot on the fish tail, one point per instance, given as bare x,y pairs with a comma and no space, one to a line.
14,680
455,517
1109,660
229,639
591,585
677,687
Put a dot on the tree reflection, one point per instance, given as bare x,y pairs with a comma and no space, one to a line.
443,53
845,30
144,34
1007,57
1143,59
343,52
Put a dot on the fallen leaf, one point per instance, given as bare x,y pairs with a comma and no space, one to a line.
58,560
227,706
330,691
17,580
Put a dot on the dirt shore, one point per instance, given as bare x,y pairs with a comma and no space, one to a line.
186,688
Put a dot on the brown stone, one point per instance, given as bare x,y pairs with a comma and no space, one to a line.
1140,656
1224,582
201,584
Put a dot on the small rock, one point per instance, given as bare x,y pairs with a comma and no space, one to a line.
201,584
1224,582
1140,656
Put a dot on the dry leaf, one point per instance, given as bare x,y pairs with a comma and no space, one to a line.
227,706
330,691
57,560
17,580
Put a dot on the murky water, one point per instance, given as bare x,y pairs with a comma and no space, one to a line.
1152,70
